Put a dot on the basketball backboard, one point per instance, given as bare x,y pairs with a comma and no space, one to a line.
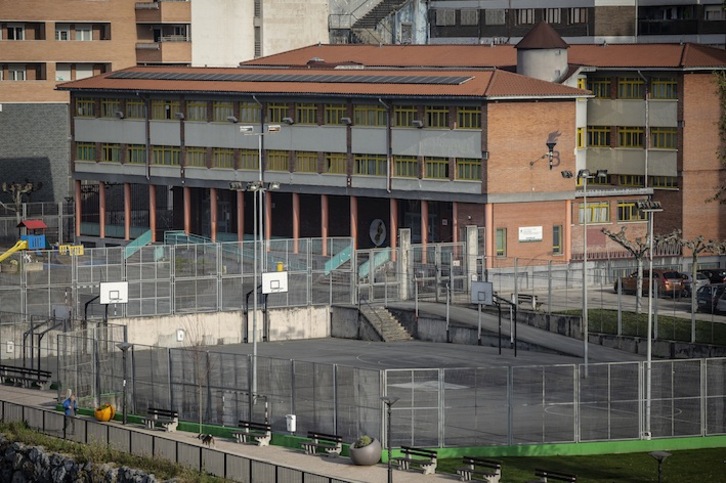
481,293
114,293
274,282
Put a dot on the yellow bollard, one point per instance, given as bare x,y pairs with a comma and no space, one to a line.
280,267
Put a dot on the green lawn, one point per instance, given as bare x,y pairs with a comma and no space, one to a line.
688,466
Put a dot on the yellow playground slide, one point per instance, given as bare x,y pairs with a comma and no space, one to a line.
20,245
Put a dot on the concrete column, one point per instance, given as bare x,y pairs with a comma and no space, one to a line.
295,222
424,223
127,211
152,212
404,266
240,215
213,213
354,221
393,229
101,209
567,235
455,222
324,221
472,252
79,211
187,210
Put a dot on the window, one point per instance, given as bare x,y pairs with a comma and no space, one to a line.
277,161
334,113
86,151
468,169
445,16
628,211
469,16
111,153
436,168
714,12
196,111
403,116
62,72
630,137
582,83
501,242
16,72
557,240
553,15
494,16
370,164
335,163
580,137
276,111
136,154
599,86
249,112
663,181
163,109
135,109
630,180
664,137
165,155
306,162
631,88
369,115
405,166
598,136
84,32
525,16
62,31
468,118
84,71
306,113
221,110
437,116
196,156
16,32
664,89
223,158
249,159
85,107
596,212
577,15
109,107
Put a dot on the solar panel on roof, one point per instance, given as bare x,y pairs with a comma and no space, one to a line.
300,78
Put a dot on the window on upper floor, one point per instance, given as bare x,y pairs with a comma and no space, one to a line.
445,16
195,156
628,211
553,15
165,155
631,88
221,110
62,72
577,15
62,31
405,166
164,109
494,16
335,163
557,240
136,154
469,16
403,116
306,113
468,118
277,160
276,111
500,242
436,168
85,151
600,86
249,112
580,137
196,111
661,88
135,109
525,16
598,212
714,12
663,182
664,137
16,31
111,153
306,162
369,115
468,169
631,180
598,136
333,114
437,117
16,72
85,107
249,159
109,107
84,32
370,164
223,158
631,137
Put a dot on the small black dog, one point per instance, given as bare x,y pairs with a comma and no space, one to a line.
207,439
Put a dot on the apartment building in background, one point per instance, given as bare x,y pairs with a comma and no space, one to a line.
367,139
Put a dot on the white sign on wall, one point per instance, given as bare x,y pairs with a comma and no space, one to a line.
530,233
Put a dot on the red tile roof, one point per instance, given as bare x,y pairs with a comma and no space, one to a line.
542,36
33,224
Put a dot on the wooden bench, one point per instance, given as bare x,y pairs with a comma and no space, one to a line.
480,469
27,377
526,300
548,475
166,418
331,444
253,433
424,459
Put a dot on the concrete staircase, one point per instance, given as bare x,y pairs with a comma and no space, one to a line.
389,328
371,19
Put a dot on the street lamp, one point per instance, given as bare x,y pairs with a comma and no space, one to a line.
258,189
389,401
124,348
649,207
584,175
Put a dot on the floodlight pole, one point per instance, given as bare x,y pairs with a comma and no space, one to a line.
389,401
584,176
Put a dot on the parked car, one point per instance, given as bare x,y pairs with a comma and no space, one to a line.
715,275
665,282
689,287
709,296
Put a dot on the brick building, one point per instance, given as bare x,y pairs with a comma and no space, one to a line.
364,140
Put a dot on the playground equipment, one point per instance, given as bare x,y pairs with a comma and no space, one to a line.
33,239
20,245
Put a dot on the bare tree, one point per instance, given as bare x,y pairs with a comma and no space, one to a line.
720,195
17,191
202,365
637,248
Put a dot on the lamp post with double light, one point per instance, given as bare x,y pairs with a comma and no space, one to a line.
649,207
124,348
584,175
258,188
389,401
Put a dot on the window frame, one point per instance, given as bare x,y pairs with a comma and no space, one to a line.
165,155
404,115
196,110
557,232
84,32
500,242
600,87
135,109
86,151
437,117
628,212
306,113
15,31
664,138
370,164
469,16
631,88
336,163
62,28
135,154
222,111
277,160
305,162
249,112
468,117
85,107
109,107
553,15
436,167
110,153
405,166
664,88
598,212
334,113
598,137
445,17
473,166
195,156
371,115
276,111
631,137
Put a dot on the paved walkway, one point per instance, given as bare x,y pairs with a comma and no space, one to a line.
321,465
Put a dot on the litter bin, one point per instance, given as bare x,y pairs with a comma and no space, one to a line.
291,422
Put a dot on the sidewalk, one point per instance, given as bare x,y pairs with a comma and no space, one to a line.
340,467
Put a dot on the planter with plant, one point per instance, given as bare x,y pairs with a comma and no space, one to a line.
104,412
366,451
